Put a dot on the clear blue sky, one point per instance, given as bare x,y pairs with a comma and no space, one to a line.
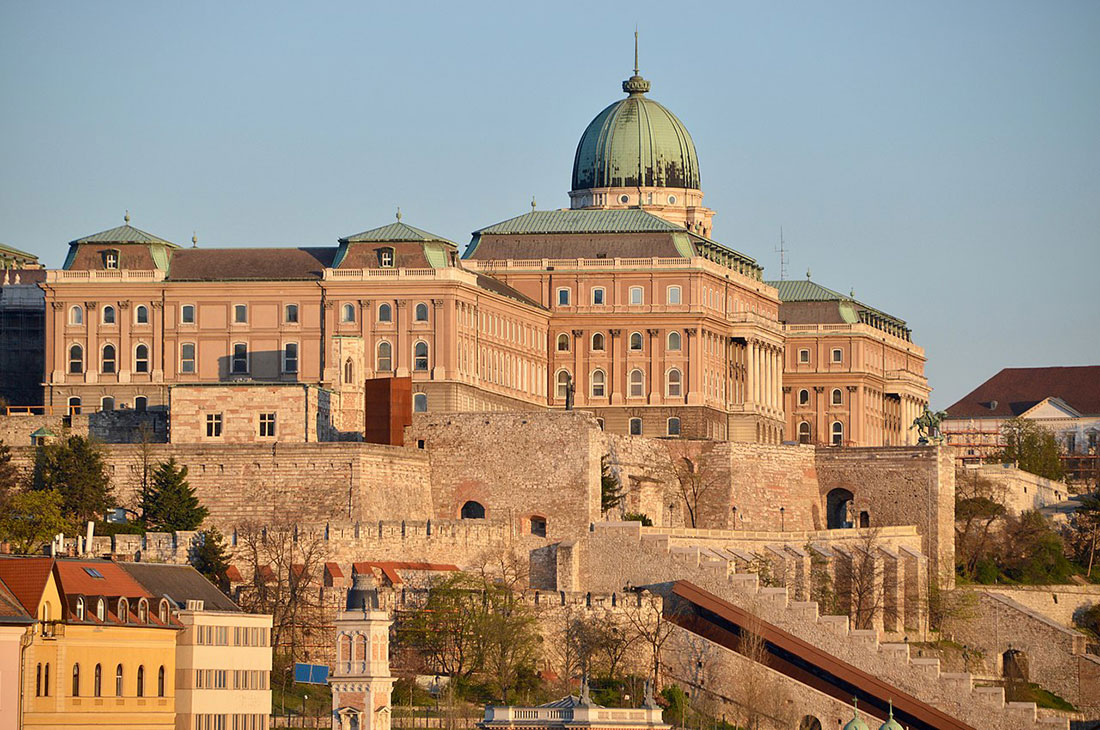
942,158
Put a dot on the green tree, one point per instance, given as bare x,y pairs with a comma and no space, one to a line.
31,520
611,495
74,468
9,475
210,557
1084,531
169,503
1032,447
1032,551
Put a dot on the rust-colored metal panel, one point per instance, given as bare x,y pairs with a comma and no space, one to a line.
722,622
388,404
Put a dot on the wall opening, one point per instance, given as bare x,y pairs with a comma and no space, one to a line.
538,526
809,722
473,511
838,508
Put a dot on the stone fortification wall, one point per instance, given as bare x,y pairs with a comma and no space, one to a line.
516,465
1051,651
301,413
1020,490
900,486
1059,603
273,483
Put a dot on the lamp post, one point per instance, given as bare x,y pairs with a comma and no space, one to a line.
304,699
782,519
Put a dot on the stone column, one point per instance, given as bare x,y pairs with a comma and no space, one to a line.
750,372
443,326
366,331
694,377
857,423
156,343
615,378
91,344
655,374
402,353
60,364
124,357
822,433
580,351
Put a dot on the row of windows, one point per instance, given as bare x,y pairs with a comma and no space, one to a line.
42,681
673,342
836,433
207,721
122,610
240,314
108,359
635,295
672,426
635,383
109,315
804,356
836,397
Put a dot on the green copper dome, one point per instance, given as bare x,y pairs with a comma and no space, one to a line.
636,142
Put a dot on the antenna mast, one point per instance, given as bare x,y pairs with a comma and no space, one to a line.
782,251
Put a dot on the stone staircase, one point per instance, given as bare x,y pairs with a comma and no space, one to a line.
651,560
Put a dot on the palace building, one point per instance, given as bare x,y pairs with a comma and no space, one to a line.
623,304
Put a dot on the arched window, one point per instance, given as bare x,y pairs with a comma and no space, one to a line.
108,315
107,403
385,313
349,372
637,383
563,342
46,681
420,403
673,426
804,432
76,315
141,359
473,511
838,433
97,688
636,296
674,341
141,314
160,681
562,380
76,360
162,611
385,357
599,384
141,403
76,680
672,386
420,356
38,680
74,405
636,341
635,427
80,608
143,611
538,526
838,509
597,341
803,397
141,681
118,681
123,610
838,398
108,362
101,610
674,295
348,313
290,314
421,313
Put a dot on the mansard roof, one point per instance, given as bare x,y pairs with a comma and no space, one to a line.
179,584
395,233
628,220
16,253
1014,391
124,234
240,264
804,301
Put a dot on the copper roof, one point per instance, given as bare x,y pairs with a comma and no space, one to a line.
267,264
1014,391
395,232
627,220
123,234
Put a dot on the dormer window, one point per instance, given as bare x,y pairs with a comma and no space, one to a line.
123,610
385,258
80,608
110,259
143,611
101,610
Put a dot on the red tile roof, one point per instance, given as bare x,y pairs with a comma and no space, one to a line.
26,578
334,570
75,580
222,264
233,573
389,568
11,610
1016,390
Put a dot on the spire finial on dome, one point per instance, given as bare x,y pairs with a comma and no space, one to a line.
126,218
194,239
635,84
399,214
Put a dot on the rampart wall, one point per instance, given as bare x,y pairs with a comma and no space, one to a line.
1020,490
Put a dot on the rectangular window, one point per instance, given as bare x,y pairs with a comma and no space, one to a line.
674,295
804,356
110,259
240,313
838,355
213,425
187,357
290,357
597,296
187,314
563,297
291,314
240,358
267,425
636,295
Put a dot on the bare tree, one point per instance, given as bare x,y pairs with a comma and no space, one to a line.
979,504
285,566
861,581
649,626
693,481
761,695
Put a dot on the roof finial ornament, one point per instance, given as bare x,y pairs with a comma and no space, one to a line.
635,84
194,239
807,272
532,203
126,218
852,292
399,213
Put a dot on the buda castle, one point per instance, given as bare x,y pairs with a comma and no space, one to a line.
624,305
